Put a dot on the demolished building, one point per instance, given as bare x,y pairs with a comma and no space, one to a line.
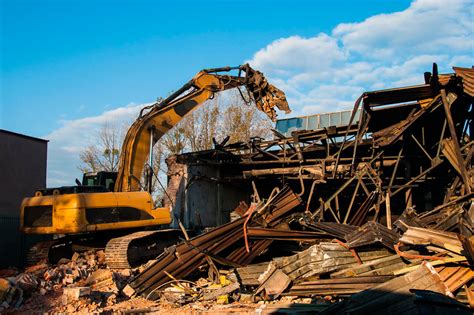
404,148
399,164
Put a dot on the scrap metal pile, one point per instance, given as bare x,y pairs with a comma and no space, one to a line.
375,214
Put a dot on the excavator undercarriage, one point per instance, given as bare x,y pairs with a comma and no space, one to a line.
127,249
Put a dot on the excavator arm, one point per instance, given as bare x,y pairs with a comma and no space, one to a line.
157,119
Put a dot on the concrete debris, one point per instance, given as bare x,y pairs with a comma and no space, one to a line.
220,293
102,280
73,294
27,281
10,294
84,275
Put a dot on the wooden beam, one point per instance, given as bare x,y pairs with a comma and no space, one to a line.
454,136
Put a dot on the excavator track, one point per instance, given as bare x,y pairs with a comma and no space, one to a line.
133,249
39,252
121,252
49,251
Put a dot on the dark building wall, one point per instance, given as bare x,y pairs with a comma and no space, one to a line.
22,171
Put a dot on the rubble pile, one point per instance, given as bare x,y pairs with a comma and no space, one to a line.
66,282
331,269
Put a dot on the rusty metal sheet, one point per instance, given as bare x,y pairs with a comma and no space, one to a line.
183,259
288,235
372,233
337,230
467,75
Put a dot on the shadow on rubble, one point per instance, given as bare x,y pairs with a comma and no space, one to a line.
378,301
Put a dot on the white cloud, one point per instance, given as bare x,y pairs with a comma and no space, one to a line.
328,71
289,54
66,142
427,26
323,73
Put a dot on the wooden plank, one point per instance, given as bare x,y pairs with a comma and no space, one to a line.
391,292
422,236
369,266
212,295
433,263
321,287
394,285
391,269
274,284
362,279
447,271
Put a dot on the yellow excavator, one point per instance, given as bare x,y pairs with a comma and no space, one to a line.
117,208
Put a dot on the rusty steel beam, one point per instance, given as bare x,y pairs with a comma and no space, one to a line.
285,235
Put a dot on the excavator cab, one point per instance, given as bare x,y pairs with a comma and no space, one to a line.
92,182
104,179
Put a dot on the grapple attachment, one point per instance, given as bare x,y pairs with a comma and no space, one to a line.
266,95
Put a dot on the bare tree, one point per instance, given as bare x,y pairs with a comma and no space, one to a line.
175,141
105,154
241,121
158,179
227,116
201,126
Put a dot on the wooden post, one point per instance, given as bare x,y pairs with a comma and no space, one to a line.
389,211
454,136
408,198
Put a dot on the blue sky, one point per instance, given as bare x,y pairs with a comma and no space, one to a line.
69,59
68,66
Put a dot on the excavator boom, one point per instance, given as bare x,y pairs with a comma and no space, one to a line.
157,119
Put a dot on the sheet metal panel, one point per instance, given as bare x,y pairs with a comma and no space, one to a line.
315,122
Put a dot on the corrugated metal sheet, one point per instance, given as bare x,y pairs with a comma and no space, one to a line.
315,122
467,75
